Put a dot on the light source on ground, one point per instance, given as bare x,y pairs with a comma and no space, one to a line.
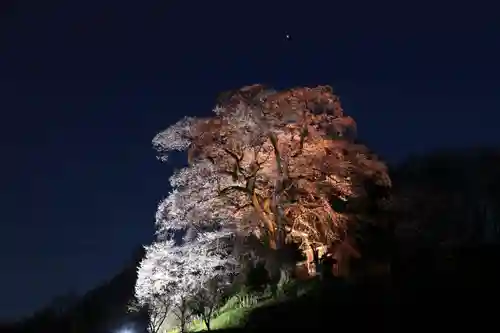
125,329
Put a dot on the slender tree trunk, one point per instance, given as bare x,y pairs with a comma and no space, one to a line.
182,315
207,324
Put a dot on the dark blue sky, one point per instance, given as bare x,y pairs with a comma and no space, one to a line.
85,85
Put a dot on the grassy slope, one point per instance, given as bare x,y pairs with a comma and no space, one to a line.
233,314
237,310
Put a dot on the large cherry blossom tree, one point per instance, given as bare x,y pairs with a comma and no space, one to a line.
270,164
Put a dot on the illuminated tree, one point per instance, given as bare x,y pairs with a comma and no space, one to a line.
179,272
282,166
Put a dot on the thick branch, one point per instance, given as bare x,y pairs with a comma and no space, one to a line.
268,222
235,188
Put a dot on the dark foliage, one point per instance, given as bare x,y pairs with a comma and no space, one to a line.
257,278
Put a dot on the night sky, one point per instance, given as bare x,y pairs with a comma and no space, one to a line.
85,85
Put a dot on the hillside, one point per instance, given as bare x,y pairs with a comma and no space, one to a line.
100,310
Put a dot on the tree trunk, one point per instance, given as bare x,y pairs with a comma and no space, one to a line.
207,324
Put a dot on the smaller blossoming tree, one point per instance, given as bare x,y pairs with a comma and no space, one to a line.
179,272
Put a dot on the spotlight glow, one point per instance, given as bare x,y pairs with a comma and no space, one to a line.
125,329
